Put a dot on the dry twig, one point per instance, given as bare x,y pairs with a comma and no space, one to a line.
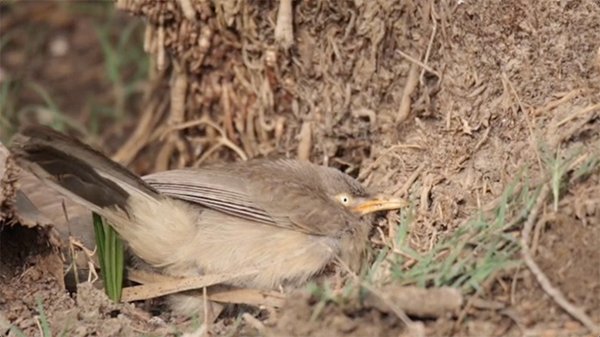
187,9
284,29
417,62
431,39
215,293
420,302
409,88
171,285
222,141
553,104
578,113
176,116
160,48
305,141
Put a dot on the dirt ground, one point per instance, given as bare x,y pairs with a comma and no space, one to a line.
506,93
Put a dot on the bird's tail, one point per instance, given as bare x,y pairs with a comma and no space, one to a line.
75,169
90,178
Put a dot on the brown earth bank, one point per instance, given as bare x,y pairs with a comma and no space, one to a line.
448,103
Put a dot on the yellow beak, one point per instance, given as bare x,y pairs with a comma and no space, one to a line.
379,203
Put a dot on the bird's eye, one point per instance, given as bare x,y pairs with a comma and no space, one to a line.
344,199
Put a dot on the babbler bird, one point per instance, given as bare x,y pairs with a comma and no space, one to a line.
286,219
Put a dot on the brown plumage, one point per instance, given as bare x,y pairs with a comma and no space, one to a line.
285,219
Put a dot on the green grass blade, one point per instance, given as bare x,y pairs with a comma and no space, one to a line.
112,257
46,331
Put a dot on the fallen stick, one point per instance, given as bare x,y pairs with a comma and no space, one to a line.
166,285
415,301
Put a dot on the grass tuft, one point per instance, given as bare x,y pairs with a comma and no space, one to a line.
111,256
469,255
43,319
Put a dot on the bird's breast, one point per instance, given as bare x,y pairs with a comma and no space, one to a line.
228,244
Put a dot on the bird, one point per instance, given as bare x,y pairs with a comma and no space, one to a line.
285,219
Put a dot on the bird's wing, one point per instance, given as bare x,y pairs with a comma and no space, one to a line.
267,195
212,189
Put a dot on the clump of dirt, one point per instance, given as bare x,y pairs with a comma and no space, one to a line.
303,317
35,297
22,297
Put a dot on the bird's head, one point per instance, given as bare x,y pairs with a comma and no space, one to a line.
350,194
